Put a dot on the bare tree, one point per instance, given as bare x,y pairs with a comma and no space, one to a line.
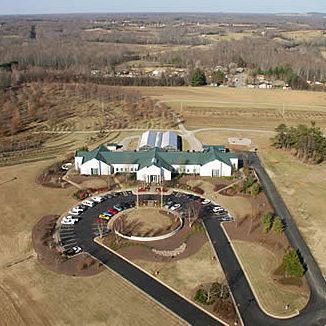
193,209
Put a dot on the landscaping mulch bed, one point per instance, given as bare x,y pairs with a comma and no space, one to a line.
50,257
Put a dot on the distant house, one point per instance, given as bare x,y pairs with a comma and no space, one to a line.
168,140
155,164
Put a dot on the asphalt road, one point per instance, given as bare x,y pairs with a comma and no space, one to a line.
313,315
171,300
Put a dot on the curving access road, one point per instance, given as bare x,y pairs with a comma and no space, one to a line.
314,314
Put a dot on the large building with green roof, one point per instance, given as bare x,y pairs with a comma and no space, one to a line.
156,164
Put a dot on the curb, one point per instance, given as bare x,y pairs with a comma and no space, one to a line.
158,280
251,286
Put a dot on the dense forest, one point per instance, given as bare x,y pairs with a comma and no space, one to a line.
307,143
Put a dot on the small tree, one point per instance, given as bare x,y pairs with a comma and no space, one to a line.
292,264
278,225
255,189
198,78
267,221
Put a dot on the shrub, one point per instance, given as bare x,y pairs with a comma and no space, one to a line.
248,183
267,221
255,189
201,297
277,225
198,190
292,264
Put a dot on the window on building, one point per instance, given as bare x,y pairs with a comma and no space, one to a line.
132,169
94,171
188,170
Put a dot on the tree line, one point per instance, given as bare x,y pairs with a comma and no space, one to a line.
307,143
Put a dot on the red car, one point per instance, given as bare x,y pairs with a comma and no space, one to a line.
113,211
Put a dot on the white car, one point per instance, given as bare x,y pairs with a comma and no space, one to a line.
218,209
73,212
175,207
97,199
89,203
205,202
69,220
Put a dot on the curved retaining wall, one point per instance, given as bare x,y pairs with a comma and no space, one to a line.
159,237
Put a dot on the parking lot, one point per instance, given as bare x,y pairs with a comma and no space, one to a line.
101,209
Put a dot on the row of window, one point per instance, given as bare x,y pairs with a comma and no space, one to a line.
125,169
183,170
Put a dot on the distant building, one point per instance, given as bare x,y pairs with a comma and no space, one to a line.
221,148
155,164
168,140
113,146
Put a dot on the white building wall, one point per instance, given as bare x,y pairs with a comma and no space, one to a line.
125,168
78,162
235,162
187,169
102,168
223,169
153,170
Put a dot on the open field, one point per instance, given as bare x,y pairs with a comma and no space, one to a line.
259,264
303,188
31,294
301,35
220,94
186,274
242,108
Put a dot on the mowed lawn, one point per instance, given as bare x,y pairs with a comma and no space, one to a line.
32,295
186,274
259,264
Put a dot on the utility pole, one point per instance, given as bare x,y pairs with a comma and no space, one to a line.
162,176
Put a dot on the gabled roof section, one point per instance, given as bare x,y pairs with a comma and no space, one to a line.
156,156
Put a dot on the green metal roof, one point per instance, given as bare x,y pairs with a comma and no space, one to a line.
156,156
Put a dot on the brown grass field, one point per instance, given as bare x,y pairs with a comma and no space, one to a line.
32,295
147,220
186,274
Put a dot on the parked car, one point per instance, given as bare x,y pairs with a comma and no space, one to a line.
74,212
104,216
113,211
205,202
118,208
73,251
98,199
175,207
189,196
218,209
125,205
107,196
89,203
226,218
69,220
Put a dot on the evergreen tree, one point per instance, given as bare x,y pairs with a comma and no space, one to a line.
198,78
292,264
